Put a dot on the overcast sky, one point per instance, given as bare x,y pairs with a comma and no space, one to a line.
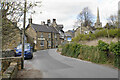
66,11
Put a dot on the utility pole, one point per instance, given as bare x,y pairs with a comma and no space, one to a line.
23,35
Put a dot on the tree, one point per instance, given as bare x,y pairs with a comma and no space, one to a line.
113,21
14,10
85,17
107,25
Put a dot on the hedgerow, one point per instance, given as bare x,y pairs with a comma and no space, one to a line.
102,53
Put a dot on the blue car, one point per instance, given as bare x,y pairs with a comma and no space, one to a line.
28,51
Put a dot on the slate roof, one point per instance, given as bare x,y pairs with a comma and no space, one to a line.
44,28
67,35
59,27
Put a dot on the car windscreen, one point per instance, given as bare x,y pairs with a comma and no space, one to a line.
25,47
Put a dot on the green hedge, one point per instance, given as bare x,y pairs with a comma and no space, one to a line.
102,33
102,53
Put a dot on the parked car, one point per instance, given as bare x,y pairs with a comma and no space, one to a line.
28,51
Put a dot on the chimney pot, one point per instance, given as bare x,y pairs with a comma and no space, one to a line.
42,22
48,22
30,20
54,20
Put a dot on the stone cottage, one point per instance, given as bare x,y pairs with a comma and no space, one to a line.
11,35
43,36
84,30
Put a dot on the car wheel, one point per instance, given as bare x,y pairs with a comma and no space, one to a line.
31,56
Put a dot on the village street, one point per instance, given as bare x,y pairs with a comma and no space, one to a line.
50,64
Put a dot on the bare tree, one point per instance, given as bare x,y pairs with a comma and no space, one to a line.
14,10
85,17
113,21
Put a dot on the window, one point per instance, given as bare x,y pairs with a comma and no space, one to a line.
49,35
42,43
41,35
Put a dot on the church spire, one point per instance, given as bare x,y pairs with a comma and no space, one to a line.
98,17
98,23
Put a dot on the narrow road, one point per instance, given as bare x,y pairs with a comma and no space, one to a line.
53,65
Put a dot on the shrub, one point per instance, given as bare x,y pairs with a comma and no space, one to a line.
101,33
103,46
115,48
112,33
98,54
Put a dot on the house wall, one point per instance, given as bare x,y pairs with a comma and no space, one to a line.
45,39
11,36
77,32
54,41
83,30
32,35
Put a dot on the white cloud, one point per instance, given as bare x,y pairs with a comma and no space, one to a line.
66,11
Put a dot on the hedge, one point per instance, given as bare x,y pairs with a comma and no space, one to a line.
103,53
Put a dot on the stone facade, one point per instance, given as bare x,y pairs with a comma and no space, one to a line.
83,30
68,38
5,62
71,32
43,36
10,67
11,35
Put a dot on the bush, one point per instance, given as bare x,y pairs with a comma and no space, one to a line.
101,33
115,48
112,33
103,46
98,54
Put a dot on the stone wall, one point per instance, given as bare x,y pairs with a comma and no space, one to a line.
8,53
5,63
11,72
95,42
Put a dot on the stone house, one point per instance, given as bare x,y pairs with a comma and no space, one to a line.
84,30
68,38
43,36
71,32
61,32
11,35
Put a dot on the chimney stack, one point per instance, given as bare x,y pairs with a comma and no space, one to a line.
48,22
54,24
42,22
54,20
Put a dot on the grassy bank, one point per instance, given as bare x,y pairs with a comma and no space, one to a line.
103,53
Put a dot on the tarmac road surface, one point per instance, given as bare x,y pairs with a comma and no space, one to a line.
53,65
